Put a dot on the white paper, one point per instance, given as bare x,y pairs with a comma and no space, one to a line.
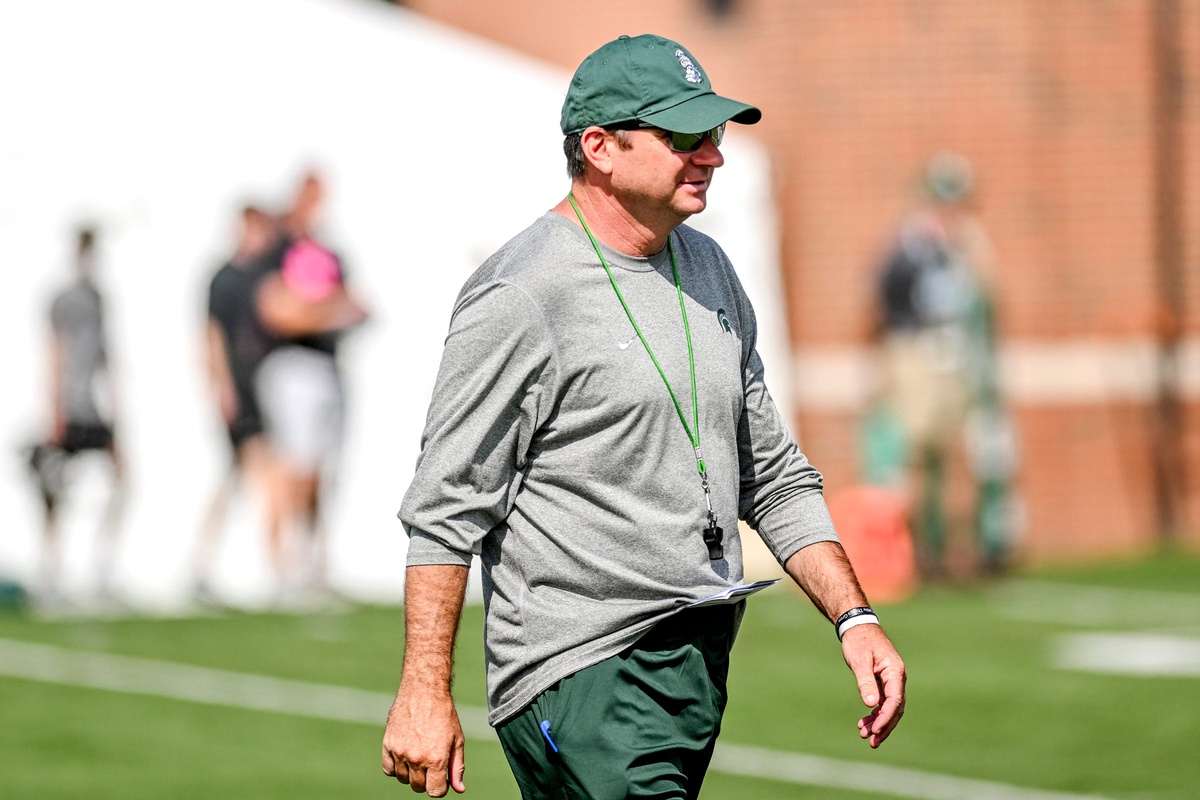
732,595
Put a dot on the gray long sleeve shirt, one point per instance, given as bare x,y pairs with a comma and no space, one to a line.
553,451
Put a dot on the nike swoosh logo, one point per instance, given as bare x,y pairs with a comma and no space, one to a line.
625,344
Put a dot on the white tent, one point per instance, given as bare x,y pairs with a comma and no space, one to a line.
157,120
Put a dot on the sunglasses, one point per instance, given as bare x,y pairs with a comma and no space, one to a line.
689,142
680,142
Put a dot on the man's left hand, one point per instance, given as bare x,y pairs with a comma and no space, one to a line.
881,677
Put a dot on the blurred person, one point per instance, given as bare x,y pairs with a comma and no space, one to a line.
563,446
939,365
305,302
83,403
235,344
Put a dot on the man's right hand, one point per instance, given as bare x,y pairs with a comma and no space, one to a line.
423,743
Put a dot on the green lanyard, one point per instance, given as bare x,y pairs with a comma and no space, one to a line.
712,534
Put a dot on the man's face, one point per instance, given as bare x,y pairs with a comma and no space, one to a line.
257,233
649,177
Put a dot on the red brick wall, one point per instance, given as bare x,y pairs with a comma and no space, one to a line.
1053,102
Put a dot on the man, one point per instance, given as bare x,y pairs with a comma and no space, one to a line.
83,400
236,342
940,375
599,413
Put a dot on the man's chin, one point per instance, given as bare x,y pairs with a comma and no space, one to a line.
691,200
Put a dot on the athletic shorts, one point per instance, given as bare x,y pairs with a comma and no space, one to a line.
300,394
248,423
47,462
81,436
642,723
242,430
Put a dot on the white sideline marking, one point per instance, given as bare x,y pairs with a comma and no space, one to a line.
874,779
39,662
1130,654
50,664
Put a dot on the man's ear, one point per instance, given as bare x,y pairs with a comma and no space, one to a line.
596,143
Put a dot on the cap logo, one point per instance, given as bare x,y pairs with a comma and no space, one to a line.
690,71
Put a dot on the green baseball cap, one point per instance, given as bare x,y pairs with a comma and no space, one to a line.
651,79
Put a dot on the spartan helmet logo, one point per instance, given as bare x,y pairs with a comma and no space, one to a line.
723,320
692,73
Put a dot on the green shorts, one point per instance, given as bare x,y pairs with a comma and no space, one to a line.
639,724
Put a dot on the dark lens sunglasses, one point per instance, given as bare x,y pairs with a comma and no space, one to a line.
689,142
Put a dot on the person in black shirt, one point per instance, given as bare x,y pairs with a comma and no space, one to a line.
235,344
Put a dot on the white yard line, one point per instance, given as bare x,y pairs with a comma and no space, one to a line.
1098,606
46,663
1139,654
1159,631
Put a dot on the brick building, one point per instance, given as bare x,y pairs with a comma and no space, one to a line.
1082,119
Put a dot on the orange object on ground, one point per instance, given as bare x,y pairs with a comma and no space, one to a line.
872,522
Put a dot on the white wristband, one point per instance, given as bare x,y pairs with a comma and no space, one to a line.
861,619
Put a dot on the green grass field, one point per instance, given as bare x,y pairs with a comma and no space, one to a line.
986,701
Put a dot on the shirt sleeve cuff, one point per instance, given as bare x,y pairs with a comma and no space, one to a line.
425,549
805,522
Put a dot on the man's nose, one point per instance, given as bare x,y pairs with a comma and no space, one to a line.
709,155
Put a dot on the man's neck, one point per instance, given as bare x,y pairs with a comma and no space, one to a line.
614,224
